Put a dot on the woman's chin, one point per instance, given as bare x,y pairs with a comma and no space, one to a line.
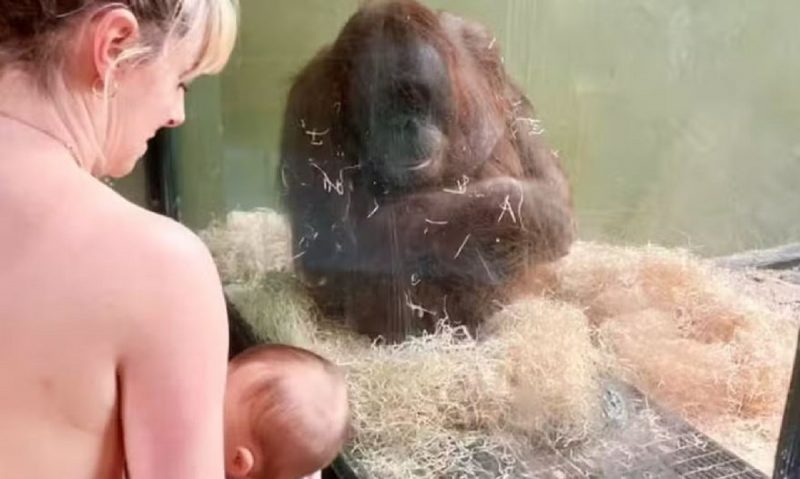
122,168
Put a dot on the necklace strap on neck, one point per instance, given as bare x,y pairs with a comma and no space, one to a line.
41,130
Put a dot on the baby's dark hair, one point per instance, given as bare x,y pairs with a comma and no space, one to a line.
299,402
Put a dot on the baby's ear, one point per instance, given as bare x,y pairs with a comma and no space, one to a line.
242,463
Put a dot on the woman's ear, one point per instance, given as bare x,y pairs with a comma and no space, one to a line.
242,464
115,29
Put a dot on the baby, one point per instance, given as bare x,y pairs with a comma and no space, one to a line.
286,413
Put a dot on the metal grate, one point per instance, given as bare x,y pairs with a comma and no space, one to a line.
639,441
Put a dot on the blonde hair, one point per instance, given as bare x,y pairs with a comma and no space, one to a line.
34,39
32,32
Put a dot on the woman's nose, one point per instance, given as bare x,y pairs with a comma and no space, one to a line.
177,117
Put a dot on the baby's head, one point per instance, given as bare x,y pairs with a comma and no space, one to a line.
286,413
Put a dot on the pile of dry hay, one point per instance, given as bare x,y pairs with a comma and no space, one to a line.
666,321
277,307
682,332
247,244
435,403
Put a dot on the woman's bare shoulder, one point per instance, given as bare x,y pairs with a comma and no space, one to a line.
141,235
159,263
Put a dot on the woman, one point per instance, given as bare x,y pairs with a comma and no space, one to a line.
113,339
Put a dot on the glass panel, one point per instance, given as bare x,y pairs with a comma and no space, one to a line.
134,186
401,211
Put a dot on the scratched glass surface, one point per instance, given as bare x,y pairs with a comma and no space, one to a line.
676,121
423,176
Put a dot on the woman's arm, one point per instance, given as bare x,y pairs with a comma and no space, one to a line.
172,373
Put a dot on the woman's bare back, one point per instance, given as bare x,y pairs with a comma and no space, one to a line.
83,277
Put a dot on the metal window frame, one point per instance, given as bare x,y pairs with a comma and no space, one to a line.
787,457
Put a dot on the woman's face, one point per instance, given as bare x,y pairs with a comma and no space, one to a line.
149,95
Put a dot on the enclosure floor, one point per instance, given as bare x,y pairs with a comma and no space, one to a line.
640,441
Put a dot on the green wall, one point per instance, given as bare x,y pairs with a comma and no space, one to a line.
678,120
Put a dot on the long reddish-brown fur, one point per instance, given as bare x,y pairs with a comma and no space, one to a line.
416,177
